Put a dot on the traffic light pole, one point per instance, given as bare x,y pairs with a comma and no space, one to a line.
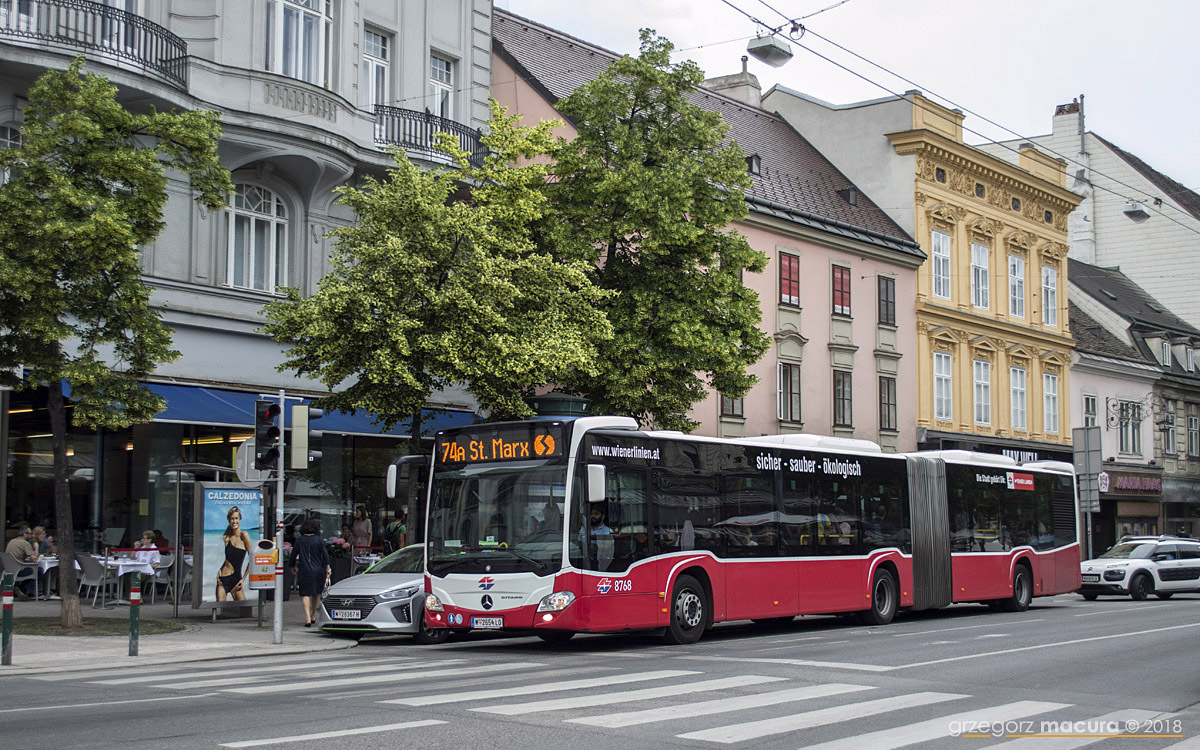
278,621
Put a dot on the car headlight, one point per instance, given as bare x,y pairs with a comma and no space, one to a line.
433,604
1114,574
556,602
403,592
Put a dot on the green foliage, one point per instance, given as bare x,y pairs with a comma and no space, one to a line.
649,186
84,189
429,290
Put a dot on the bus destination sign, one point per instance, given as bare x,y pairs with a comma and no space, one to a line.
502,442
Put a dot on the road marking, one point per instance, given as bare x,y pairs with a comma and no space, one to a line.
334,734
105,703
963,627
1097,730
628,696
240,672
751,730
244,677
1126,610
378,677
795,663
720,705
991,635
939,728
430,700
1192,743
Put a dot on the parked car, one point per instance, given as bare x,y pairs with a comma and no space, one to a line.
388,597
1143,565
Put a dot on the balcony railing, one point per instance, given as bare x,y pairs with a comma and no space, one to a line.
98,28
415,131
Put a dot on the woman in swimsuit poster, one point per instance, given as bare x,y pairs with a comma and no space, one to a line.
230,577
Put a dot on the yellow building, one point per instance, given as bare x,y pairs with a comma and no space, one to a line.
993,340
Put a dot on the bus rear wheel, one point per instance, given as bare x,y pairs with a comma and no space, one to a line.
689,611
1022,592
883,599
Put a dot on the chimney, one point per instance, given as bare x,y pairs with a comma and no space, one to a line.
742,86
1068,121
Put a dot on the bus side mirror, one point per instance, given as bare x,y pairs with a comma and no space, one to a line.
596,483
392,476
399,469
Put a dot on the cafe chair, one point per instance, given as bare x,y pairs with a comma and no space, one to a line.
21,571
162,577
91,575
185,577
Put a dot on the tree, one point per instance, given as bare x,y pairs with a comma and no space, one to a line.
650,186
429,289
86,186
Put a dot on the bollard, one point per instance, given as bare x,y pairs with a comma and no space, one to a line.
135,602
6,585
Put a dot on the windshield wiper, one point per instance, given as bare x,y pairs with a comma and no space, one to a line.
487,550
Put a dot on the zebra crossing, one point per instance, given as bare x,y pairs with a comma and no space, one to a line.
688,705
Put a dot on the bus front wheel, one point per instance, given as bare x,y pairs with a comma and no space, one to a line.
688,611
883,599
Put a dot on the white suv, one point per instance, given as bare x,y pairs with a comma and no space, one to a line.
1143,565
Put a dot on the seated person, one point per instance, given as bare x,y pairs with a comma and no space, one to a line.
600,534
21,547
147,553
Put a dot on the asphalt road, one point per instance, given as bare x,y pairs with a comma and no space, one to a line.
962,677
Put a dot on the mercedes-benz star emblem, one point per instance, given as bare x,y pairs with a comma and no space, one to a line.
486,601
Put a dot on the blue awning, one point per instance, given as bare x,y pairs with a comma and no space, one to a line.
217,406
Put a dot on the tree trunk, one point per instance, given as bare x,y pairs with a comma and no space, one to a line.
68,586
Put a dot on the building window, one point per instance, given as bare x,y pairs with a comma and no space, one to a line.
980,192
257,239
1166,353
441,87
841,290
887,404
939,174
1016,391
731,407
1049,296
10,137
298,38
843,399
789,392
887,300
1050,402
1189,359
375,68
1130,418
982,371
1048,217
1016,286
941,264
943,383
1016,204
1169,430
979,275
1194,436
1089,410
789,279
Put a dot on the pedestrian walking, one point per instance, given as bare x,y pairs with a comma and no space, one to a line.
311,566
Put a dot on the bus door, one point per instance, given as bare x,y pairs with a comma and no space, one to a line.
932,578
611,544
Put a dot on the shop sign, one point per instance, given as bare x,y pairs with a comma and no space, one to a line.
1125,483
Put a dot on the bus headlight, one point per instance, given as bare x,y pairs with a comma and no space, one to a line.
556,602
433,604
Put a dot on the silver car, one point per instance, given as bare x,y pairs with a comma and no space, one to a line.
388,597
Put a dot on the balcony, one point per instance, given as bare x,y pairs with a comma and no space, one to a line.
415,132
127,39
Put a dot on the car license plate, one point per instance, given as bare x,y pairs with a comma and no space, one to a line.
487,623
346,614
1090,578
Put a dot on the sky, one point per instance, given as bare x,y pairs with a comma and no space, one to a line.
1009,62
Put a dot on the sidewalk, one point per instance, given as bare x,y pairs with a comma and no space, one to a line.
201,640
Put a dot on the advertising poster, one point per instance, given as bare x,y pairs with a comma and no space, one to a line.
228,525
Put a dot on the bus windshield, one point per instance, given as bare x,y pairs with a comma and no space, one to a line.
497,518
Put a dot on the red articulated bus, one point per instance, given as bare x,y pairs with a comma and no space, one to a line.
590,525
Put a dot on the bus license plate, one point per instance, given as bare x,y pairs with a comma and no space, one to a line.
487,623
1090,578
346,614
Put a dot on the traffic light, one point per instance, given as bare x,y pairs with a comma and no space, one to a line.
266,435
302,437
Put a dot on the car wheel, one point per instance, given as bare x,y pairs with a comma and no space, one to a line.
689,612
1090,597
883,599
428,636
1140,587
556,636
1164,594
1022,593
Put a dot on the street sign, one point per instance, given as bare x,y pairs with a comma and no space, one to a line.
243,464
1088,463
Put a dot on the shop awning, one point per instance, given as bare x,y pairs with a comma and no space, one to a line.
216,406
